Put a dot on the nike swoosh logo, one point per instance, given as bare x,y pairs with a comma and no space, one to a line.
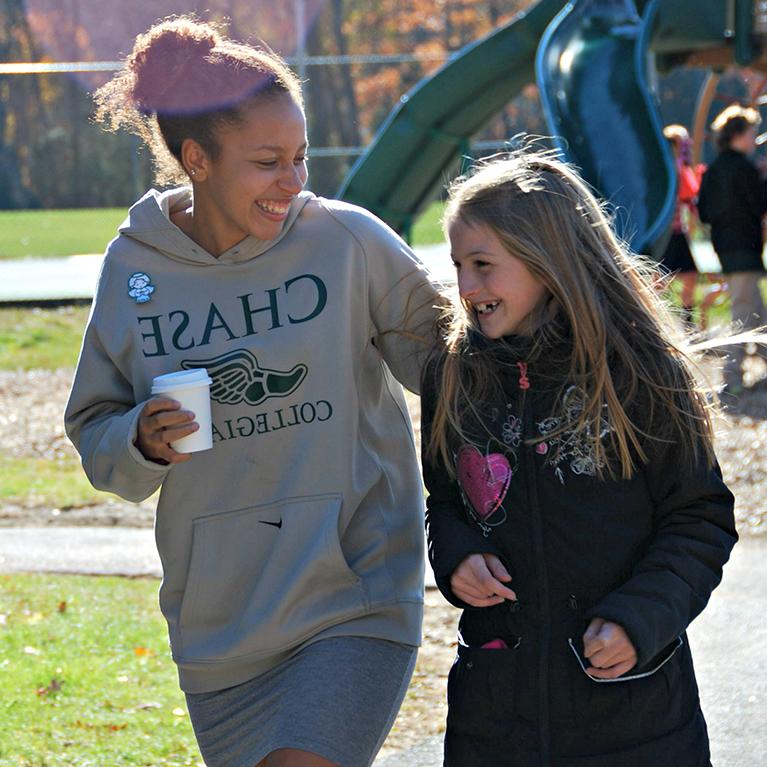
273,524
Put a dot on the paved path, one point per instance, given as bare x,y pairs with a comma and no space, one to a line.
729,640
729,644
87,550
74,277
49,279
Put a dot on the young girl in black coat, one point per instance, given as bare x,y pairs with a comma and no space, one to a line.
576,511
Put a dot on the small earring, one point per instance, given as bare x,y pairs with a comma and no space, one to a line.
193,172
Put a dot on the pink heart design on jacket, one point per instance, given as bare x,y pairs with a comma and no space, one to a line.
484,478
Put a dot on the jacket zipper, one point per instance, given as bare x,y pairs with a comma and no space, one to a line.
537,527
524,381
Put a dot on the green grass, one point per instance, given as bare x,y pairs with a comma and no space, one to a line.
54,483
427,229
47,339
51,233
86,676
41,338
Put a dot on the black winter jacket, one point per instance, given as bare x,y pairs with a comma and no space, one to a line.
645,553
733,200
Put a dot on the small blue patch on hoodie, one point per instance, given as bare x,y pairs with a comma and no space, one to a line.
141,287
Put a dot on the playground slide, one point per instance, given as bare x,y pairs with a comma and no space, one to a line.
591,71
428,131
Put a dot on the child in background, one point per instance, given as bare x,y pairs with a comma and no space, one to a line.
733,199
576,511
677,258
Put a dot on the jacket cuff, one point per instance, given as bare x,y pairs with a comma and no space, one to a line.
443,584
120,467
448,564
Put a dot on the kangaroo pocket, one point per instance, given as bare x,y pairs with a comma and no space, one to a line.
265,578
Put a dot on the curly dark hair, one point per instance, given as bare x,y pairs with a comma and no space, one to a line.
185,79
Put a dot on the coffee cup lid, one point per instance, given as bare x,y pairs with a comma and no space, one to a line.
181,379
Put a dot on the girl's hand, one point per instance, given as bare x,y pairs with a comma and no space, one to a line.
477,581
161,422
609,649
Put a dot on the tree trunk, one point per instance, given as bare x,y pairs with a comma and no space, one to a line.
325,173
349,127
21,111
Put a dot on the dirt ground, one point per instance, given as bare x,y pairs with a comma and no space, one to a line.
31,407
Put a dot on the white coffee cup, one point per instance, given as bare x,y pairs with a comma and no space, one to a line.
192,389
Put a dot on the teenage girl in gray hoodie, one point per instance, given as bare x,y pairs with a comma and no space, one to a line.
292,550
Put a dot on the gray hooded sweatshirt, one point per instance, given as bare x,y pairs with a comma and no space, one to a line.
305,519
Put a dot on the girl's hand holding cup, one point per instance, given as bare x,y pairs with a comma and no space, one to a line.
167,422
161,422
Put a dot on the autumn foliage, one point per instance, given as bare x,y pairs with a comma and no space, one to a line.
52,156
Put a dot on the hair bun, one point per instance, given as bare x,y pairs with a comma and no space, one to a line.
165,56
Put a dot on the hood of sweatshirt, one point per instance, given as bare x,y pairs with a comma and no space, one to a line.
149,222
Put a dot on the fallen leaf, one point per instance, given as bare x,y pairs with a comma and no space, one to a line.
62,606
31,650
179,712
143,651
53,687
147,705
91,726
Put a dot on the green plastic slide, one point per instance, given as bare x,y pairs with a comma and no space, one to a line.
591,71
590,59
426,134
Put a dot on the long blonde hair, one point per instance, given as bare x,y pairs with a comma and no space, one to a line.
623,349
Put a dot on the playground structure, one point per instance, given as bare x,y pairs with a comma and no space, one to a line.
593,62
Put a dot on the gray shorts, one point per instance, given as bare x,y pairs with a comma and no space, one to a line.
337,698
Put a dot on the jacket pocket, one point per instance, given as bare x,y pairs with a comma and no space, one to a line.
480,692
264,578
630,704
